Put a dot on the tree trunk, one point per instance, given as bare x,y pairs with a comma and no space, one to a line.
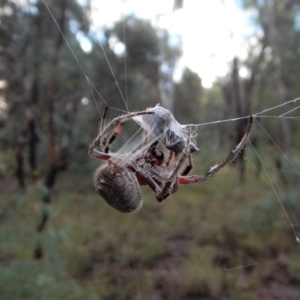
53,163
21,141
276,44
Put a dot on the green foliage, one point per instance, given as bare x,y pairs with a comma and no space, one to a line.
261,216
179,248
292,163
293,267
25,279
200,275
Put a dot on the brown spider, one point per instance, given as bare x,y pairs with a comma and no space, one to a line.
118,181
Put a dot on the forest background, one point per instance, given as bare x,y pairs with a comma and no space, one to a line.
232,237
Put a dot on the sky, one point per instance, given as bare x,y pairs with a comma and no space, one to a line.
212,32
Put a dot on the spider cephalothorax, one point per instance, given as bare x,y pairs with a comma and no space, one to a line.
118,181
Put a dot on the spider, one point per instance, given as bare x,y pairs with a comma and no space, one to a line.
118,181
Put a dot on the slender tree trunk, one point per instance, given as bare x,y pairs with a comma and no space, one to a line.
21,141
32,148
238,100
53,164
276,44
279,53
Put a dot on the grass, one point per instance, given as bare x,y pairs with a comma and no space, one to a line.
220,239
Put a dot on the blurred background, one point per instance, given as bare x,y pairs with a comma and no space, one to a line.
233,237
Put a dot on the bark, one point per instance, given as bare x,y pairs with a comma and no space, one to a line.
53,158
276,44
21,141
280,79
33,140
238,99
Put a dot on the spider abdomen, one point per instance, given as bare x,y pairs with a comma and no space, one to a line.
118,187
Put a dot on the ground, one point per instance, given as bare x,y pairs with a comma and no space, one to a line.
223,239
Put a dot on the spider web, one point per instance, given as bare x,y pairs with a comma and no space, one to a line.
288,111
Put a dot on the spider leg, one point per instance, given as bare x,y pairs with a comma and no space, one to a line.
214,169
155,182
102,123
104,156
189,167
170,158
165,190
118,129
152,184
114,123
116,132
103,119
152,178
